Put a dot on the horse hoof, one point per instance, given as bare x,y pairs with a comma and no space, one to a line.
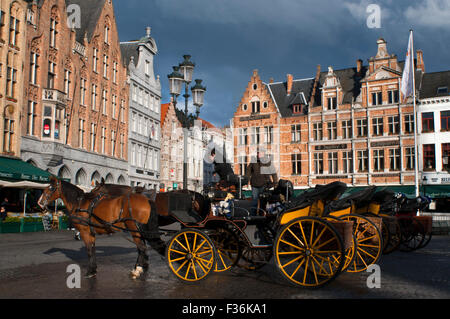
137,272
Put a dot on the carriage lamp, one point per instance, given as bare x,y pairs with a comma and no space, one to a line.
175,81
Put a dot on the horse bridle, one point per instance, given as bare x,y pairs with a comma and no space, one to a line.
53,189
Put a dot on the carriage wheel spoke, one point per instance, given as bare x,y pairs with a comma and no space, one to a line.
295,236
293,260
320,265
303,234
306,270
323,244
187,271
178,252
187,242
193,267
199,246
290,244
296,269
319,236
176,239
181,266
365,252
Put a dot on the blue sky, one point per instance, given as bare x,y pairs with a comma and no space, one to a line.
228,39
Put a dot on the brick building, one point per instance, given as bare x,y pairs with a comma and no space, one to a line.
349,124
13,39
75,111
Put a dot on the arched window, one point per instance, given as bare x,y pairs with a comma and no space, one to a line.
53,27
121,180
95,178
64,172
81,177
109,179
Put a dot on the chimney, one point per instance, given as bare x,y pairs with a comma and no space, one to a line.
271,80
255,72
289,82
359,64
420,63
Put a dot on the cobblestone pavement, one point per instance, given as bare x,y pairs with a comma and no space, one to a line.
33,265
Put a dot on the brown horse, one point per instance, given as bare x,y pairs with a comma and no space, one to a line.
199,203
93,214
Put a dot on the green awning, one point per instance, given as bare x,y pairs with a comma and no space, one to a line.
12,169
436,191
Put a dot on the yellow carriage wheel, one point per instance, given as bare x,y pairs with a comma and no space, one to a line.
309,252
191,255
369,242
227,247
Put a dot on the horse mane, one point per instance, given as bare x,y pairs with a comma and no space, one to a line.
71,192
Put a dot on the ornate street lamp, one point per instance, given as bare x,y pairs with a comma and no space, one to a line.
183,74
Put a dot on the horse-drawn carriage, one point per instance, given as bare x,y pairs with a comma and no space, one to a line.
311,238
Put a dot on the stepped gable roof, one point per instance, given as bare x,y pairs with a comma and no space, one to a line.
431,82
90,14
164,110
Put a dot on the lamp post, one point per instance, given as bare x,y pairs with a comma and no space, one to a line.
183,74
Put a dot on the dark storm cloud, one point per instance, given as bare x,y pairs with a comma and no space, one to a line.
229,39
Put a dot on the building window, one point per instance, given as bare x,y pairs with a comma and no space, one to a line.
394,159
296,108
83,89
242,136
347,161
53,32
255,136
14,26
113,143
268,132
105,66
67,82
81,131
318,163
378,160
147,68
8,135
445,121
2,23
332,130
115,71
296,160
93,136
33,67
242,160
296,133
51,75
410,158
429,157
377,98
333,163
427,122
114,106
31,118
103,140
445,156
347,129
361,127
377,124
409,123
363,161
122,146
256,107
106,34
394,124
393,97
332,103
317,131
94,97
11,80
95,60
105,102
122,111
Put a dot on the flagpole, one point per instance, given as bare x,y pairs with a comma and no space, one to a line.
416,153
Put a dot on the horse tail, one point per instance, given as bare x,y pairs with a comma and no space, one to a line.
151,231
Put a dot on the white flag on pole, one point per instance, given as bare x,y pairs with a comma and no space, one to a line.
407,78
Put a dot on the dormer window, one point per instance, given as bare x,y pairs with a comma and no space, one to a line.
256,107
296,108
332,103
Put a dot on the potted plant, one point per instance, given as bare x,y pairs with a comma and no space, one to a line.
10,225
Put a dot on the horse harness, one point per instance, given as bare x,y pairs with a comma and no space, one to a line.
103,223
